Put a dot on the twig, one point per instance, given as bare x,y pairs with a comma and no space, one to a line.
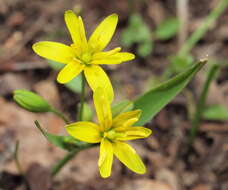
182,11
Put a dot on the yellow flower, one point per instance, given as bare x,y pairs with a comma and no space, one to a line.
85,55
111,134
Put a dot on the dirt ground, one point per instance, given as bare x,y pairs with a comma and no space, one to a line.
170,165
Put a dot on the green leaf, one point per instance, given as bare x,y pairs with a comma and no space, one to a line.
154,100
137,32
122,106
145,49
167,29
216,112
31,101
55,65
75,85
127,38
65,142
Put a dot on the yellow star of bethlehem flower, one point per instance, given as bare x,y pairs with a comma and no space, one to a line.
111,134
83,55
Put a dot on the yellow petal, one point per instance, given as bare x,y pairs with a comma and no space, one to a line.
115,58
103,108
132,133
96,77
85,131
128,156
106,158
76,28
70,71
103,33
105,54
126,119
54,51
77,50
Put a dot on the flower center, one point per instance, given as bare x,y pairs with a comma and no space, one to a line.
86,58
112,134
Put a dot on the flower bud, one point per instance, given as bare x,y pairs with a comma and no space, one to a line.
31,101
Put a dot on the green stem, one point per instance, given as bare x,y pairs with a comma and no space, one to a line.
82,99
71,154
68,157
61,115
199,33
201,103
62,162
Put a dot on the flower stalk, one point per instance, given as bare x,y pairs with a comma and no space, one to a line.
60,164
82,99
59,114
70,155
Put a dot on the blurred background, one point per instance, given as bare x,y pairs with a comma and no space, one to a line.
167,36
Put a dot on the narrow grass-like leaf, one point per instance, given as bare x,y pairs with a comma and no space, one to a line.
154,100
201,103
216,112
207,23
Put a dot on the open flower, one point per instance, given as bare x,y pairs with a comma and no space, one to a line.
85,55
111,134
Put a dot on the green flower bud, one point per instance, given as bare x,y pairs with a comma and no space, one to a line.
31,101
